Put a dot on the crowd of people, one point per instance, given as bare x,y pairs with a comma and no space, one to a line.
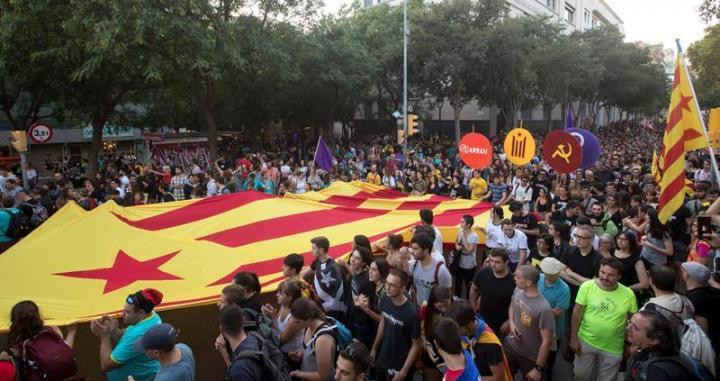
574,265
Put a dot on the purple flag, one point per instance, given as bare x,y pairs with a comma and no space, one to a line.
569,118
323,156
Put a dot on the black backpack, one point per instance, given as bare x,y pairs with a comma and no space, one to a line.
692,368
19,225
263,325
270,358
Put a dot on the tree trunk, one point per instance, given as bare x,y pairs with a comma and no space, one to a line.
212,132
456,118
97,126
548,112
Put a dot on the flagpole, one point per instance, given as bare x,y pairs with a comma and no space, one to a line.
713,161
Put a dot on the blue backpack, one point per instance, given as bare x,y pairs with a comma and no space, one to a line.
339,332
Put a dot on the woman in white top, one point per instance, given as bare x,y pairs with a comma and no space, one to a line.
291,336
493,231
300,182
466,244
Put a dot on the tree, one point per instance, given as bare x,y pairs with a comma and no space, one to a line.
704,55
336,74
108,50
710,10
510,76
561,67
450,50
27,90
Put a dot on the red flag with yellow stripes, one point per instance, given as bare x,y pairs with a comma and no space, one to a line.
79,265
684,133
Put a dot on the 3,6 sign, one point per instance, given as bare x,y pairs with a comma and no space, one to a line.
40,133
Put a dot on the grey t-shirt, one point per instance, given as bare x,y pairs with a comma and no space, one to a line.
530,316
183,370
424,279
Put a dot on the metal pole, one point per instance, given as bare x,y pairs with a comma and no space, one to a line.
713,161
23,171
405,65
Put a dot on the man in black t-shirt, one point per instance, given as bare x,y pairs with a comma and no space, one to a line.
567,215
582,261
678,229
525,222
360,324
704,298
492,288
397,344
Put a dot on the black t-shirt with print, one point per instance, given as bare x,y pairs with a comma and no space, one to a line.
401,325
496,294
529,222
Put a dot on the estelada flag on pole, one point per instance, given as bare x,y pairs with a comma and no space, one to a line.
80,265
684,133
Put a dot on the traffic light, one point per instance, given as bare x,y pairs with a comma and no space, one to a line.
18,139
412,124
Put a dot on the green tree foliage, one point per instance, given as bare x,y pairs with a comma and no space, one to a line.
450,50
704,56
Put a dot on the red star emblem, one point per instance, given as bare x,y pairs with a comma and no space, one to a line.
684,102
127,270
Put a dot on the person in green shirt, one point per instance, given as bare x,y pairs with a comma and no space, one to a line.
602,309
601,221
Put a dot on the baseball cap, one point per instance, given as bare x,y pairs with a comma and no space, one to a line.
160,336
698,272
551,266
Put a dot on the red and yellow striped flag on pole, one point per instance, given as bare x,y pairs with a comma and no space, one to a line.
684,133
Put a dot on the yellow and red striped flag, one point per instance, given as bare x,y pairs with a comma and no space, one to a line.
684,133
80,265
655,168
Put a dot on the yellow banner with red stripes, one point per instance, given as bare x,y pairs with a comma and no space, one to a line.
80,265
684,133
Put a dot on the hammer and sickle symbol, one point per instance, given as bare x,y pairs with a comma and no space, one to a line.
560,151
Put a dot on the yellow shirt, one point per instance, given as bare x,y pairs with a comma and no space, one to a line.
478,188
374,178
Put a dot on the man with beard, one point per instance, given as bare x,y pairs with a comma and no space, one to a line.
602,309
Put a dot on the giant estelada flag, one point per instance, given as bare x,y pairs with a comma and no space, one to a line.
80,265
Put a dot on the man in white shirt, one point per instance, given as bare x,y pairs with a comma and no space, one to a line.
426,216
4,176
515,243
124,180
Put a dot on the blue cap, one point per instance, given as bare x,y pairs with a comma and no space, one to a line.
160,337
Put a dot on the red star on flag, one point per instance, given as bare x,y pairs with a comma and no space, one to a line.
127,270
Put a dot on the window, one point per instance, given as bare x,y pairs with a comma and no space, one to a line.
550,4
569,13
595,22
587,17
526,114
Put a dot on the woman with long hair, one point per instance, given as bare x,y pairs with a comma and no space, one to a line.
543,205
614,209
25,323
656,244
291,336
377,273
634,274
430,312
318,342
699,248
636,221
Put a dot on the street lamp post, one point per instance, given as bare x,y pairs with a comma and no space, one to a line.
405,66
